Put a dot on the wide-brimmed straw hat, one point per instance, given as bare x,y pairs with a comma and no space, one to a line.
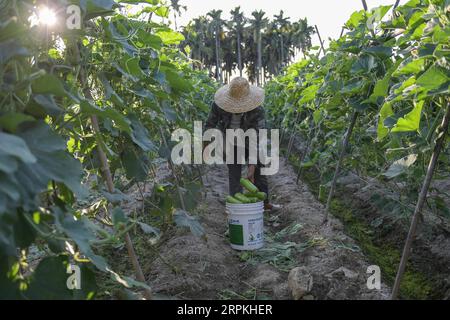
239,96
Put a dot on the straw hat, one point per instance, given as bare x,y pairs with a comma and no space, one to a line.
239,96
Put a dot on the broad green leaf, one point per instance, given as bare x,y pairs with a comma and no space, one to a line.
140,134
414,66
10,49
183,219
135,164
400,166
379,51
150,40
309,94
15,146
356,18
12,120
48,84
177,82
385,112
78,231
118,218
170,37
95,8
48,105
107,113
148,229
162,11
411,121
49,281
433,78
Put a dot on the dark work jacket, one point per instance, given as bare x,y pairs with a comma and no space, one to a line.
221,119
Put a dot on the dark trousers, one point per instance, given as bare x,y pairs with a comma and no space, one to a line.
234,177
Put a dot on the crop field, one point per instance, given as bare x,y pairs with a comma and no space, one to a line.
93,205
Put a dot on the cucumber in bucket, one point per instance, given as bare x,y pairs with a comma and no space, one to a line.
246,218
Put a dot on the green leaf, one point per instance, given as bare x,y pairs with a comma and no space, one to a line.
385,112
162,11
48,105
12,120
49,281
356,18
379,51
151,40
400,166
414,66
433,78
170,37
118,218
148,229
177,82
135,164
183,219
15,146
78,231
140,134
411,121
10,49
106,113
48,84
95,8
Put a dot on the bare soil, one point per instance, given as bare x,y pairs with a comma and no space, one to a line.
208,268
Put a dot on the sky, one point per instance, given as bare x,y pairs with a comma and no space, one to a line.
328,15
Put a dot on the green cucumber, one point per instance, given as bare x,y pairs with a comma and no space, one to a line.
233,200
242,198
254,200
248,185
261,195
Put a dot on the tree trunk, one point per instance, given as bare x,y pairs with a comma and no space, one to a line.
420,202
282,51
259,64
218,72
239,54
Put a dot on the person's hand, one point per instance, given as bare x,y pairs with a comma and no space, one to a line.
251,173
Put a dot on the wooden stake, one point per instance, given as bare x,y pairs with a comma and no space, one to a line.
365,5
420,202
320,39
339,163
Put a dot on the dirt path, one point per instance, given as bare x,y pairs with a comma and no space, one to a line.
199,269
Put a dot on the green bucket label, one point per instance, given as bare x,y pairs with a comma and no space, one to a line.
236,234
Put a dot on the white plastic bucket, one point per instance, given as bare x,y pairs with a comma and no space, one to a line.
246,225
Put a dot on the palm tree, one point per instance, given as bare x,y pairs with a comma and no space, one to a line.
283,25
237,25
258,23
176,10
301,35
216,26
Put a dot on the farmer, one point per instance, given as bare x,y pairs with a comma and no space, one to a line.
238,105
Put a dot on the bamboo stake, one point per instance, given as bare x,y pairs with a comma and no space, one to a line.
320,39
291,139
420,202
303,157
339,163
365,5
